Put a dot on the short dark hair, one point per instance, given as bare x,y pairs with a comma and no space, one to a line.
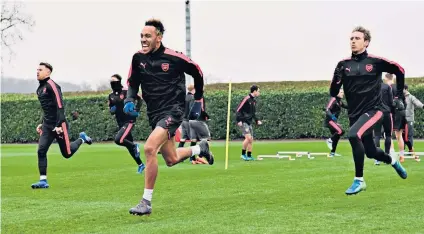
389,76
48,65
405,86
253,88
117,76
160,29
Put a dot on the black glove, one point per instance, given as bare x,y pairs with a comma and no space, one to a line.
398,104
195,111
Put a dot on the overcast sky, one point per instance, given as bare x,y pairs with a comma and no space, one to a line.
244,40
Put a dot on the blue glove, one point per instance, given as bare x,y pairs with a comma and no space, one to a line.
333,117
195,111
130,110
129,107
134,114
113,109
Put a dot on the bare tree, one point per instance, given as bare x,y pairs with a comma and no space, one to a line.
13,21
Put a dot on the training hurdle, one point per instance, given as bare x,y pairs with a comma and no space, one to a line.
277,156
296,154
310,155
412,155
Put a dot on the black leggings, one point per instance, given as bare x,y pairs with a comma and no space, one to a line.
46,139
336,131
362,142
387,124
125,138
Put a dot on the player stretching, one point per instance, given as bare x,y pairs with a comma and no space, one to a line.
199,131
54,124
332,112
360,76
399,118
125,122
159,72
185,128
411,103
387,122
245,114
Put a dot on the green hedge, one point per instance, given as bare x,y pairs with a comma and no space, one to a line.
286,115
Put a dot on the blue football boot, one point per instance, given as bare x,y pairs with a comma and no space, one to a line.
85,138
40,185
400,170
356,187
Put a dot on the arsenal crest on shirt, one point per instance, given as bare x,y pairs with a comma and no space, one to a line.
165,67
368,67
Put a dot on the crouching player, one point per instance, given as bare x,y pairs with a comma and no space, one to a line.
185,128
125,122
411,103
332,113
199,131
387,121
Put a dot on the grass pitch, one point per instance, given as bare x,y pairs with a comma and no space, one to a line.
92,192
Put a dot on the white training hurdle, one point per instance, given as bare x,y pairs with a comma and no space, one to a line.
277,156
316,154
412,155
296,154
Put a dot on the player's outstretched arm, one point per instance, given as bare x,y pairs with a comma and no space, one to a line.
329,107
134,80
337,81
41,118
58,99
394,68
416,102
193,70
139,103
240,110
256,118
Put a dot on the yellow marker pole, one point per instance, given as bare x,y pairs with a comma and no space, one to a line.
228,126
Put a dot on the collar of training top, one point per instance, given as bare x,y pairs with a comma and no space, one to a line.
44,81
360,56
160,50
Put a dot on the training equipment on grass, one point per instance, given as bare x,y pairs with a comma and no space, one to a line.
277,156
412,155
309,154
292,155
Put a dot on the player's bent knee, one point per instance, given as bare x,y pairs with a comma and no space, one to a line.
150,151
353,135
66,155
248,137
118,140
370,153
170,162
